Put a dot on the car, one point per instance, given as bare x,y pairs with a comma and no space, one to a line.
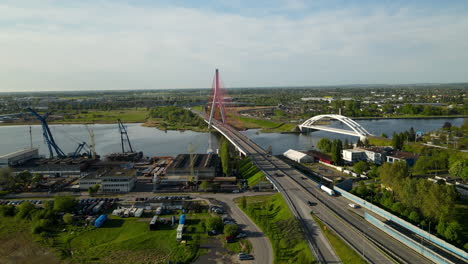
278,174
212,233
230,239
243,256
311,203
241,235
304,178
353,205
236,191
230,223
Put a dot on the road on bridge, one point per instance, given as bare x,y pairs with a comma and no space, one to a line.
366,239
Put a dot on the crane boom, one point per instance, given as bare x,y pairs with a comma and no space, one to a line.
49,139
124,137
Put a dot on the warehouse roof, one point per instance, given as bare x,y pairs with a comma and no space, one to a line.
294,154
18,153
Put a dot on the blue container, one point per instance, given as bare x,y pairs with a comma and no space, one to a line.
100,221
182,220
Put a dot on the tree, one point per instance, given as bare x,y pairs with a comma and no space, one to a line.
205,185
447,126
336,152
214,223
392,175
397,141
459,169
360,166
25,210
422,165
24,177
414,216
243,202
224,154
412,134
452,231
7,178
7,210
64,203
67,218
231,230
93,189
324,145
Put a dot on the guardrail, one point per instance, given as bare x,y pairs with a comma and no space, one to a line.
373,208
426,252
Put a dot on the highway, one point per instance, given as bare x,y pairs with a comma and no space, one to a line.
374,245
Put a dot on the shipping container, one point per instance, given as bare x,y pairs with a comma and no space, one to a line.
154,223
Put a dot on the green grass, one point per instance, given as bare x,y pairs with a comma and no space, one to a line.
346,254
241,245
126,115
265,125
128,240
198,108
250,172
272,215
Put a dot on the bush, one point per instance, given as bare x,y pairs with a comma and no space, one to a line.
64,203
231,230
67,218
25,210
7,210
214,223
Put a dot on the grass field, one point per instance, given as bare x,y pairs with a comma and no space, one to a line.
346,254
126,115
272,215
18,245
129,240
241,245
266,125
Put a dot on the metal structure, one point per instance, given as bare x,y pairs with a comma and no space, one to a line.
49,139
217,100
79,149
357,129
124,137
93,144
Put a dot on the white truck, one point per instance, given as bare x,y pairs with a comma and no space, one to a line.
326,189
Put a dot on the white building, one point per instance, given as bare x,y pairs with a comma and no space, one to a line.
353,155
19,157
377,155
111,180
297,156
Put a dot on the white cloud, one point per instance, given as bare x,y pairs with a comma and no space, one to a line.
118,46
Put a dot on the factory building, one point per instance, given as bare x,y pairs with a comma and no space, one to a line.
56,167
297,156
110,180
353,155
205,167
18,157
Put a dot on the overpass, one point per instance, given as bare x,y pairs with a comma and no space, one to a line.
356,129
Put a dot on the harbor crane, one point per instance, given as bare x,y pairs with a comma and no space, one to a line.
49,139
124,137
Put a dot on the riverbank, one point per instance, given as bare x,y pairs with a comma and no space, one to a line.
410,117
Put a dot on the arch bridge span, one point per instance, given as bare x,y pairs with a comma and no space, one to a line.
356,129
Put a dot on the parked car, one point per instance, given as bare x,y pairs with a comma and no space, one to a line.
212,233
241,235
230,239
311,203
243,256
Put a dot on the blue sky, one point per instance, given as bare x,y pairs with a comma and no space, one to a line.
105,44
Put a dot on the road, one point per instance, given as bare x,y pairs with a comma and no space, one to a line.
374,245
262,249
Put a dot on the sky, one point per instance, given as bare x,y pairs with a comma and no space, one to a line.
50,45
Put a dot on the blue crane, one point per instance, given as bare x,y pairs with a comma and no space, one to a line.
124,137
49,139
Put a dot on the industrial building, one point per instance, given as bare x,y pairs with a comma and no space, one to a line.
205,167
19,157
407,157
353,155
56,167
110,179
297,156
377,155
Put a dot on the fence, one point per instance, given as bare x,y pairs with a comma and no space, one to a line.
428,253
407,225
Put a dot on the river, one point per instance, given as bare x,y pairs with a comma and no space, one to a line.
154,142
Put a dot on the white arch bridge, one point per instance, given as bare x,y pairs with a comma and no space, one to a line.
356,129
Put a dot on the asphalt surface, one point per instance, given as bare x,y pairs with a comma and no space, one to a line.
262,249
376,245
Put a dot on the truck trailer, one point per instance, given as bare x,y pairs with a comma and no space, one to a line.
100,221
326,189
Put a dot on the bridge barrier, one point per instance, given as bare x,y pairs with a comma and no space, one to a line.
426,252
375,209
